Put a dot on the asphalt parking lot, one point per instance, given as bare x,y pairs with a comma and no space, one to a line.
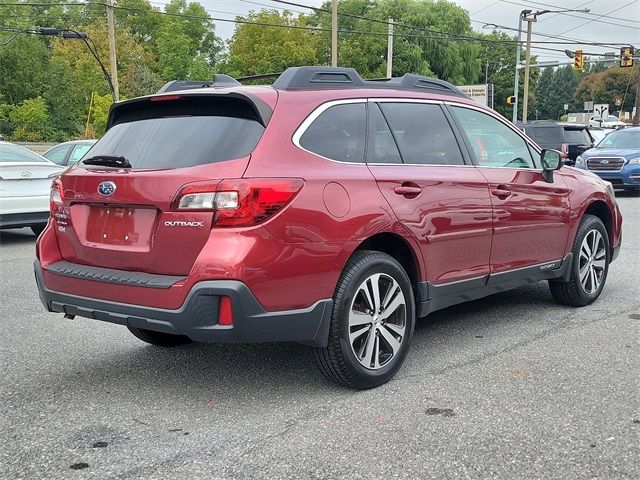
511,386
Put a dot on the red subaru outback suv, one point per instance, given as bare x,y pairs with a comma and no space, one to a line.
325,210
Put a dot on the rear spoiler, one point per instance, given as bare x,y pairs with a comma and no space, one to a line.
233,103
218,81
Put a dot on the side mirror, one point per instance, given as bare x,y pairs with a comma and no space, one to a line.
551,160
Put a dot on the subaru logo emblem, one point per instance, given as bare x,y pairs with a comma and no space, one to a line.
106,188
604,162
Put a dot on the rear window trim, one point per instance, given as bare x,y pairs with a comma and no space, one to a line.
297,135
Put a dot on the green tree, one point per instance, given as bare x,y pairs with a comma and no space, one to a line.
555,88
30,120
436,44
609,85
497,58
256,49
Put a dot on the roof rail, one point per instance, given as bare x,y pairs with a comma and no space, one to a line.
300,78
218,81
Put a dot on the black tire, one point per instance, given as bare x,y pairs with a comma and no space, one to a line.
338,360
572,292
38,229
159,339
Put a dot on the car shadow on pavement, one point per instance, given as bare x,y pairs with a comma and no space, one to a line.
222,370
627,193
17,236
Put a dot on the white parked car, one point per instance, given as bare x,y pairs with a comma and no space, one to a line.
25,185
610,121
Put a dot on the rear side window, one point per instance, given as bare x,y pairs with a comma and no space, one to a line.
184,135
422,133
382,147
338,133
572,135
545,134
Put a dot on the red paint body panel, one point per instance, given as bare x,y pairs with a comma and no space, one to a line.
450,218
531,226
454,227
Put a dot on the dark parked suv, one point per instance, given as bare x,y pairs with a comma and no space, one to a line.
325,210
570,140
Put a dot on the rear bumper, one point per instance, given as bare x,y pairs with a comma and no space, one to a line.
17,220
197,317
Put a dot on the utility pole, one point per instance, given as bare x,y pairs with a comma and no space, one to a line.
112,50
525,100
636,117
390,49
517,79
334,33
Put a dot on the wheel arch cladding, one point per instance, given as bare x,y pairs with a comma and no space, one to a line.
397,247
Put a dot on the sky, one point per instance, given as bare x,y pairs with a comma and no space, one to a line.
619,23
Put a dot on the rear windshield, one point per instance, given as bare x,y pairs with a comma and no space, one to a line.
621,139
572,135
16,153
182,135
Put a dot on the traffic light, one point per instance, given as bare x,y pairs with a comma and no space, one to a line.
626,56
578,60
511,100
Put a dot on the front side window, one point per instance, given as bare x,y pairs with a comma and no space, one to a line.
338,133
422,133
493,143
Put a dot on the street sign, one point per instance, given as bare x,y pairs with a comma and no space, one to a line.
588,106
566,107
480,93
600,110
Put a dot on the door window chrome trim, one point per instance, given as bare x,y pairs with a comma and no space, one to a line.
297,135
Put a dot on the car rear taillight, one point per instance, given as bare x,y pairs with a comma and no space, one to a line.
56,197
564,150
239,202
165,98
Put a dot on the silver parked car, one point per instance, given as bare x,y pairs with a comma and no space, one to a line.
68,153
25,185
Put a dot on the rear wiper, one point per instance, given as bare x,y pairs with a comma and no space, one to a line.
108,161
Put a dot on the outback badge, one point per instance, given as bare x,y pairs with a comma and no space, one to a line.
106,188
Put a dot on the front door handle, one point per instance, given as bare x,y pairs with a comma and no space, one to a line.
501,191
408,190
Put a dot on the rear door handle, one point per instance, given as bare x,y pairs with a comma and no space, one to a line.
408,190
501,191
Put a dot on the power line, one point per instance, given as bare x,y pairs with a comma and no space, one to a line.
549,17
440,35
569,40
395,24
572,15
593,20
484,8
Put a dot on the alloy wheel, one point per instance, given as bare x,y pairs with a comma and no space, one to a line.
377,321
593,261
